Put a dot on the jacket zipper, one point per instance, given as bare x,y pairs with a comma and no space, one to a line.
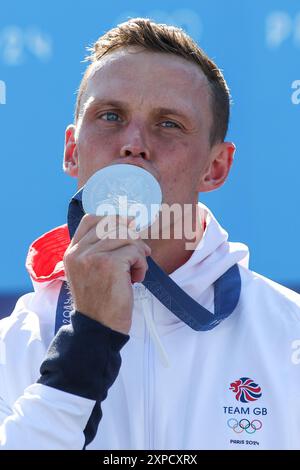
148,381
146,304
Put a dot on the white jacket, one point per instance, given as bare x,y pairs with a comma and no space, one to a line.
236,386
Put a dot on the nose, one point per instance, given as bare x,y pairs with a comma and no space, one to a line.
135,147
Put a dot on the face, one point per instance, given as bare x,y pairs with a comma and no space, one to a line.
152,110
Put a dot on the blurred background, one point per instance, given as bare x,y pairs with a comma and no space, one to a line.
255,43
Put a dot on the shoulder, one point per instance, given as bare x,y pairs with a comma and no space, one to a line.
268,296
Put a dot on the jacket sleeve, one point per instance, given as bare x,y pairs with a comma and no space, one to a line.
62,409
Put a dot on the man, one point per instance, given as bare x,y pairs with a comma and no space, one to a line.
150,98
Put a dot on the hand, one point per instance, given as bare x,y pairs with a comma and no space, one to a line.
100,271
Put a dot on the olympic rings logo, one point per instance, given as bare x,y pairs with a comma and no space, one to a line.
244,425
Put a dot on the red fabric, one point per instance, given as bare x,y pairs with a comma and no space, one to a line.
44,261
45,256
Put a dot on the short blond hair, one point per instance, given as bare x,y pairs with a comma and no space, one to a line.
171,40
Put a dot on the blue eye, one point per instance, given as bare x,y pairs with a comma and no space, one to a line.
110,116
170,124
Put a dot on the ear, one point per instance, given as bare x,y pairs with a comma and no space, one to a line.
217,170
70,164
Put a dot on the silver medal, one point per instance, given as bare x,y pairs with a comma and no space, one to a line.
126,190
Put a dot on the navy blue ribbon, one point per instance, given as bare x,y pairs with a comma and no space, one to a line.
227,289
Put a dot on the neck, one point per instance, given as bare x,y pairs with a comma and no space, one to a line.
172,247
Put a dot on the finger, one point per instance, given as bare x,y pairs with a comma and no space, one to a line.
135,262
114,243
86,230
120,234
119,228
138,271
87,222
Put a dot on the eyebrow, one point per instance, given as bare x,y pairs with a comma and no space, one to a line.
123,104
